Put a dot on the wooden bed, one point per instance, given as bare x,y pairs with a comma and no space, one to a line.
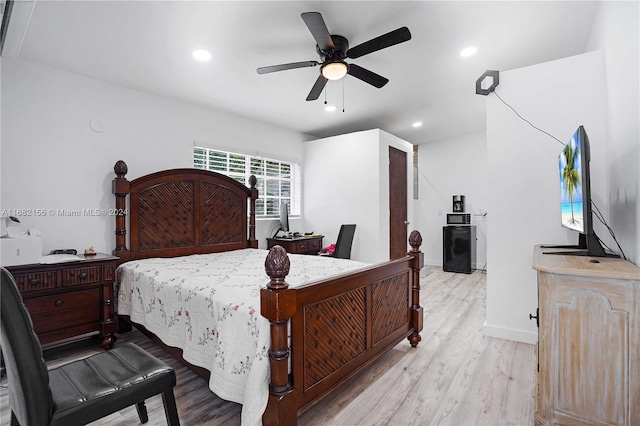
189,211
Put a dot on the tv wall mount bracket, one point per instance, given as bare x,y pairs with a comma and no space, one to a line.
494,75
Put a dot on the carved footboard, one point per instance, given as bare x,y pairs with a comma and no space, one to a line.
338,327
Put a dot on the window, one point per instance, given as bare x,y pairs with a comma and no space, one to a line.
278,181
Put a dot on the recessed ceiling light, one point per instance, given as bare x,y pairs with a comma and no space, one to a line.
201,55
469,51
330,108
417,124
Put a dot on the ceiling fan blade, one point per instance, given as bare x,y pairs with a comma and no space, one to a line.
386,40
318,29
317,88
367,76
282,67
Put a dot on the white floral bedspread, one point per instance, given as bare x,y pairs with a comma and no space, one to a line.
209,306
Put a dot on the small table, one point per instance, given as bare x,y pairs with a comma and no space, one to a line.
305,244
70,299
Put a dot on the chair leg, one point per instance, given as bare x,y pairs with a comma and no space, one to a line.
142,412
170,409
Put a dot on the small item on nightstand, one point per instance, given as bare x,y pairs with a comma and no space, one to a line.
89,251
64,251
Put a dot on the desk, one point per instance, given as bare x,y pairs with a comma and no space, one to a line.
298,245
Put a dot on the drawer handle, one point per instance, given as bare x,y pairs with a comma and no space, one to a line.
34,281
536,316
83,275
58,302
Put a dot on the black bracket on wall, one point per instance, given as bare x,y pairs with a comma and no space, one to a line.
495,75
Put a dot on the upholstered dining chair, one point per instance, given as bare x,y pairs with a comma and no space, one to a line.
81,391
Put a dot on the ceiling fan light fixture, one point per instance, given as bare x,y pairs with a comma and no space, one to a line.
334,70
333,49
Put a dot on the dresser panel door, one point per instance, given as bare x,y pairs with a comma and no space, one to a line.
591,358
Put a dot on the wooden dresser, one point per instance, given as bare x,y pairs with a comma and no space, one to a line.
298,245
71,299
588,340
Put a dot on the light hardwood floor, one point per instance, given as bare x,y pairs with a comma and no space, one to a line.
456,375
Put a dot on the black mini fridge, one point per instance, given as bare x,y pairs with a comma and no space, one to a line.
459,248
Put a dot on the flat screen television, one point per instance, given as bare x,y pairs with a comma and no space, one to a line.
575,196
575,184
284,218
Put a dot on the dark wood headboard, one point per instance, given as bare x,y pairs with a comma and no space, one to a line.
179,212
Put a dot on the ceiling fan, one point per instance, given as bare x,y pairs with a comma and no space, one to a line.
334,49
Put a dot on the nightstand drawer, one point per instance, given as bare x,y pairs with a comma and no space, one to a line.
64,310
35,281
66,319
307,246
63,301
86,275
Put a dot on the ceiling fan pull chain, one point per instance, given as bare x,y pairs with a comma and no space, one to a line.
343,95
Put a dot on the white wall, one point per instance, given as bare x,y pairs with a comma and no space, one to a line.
615,158
524,196
455,166
346,180
616,31
336,175
52,159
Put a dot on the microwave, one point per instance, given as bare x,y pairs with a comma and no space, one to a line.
458,218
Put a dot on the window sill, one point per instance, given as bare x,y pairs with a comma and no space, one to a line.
277,218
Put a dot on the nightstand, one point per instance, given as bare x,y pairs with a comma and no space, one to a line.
70,300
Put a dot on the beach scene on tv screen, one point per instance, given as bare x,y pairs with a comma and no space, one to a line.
571,185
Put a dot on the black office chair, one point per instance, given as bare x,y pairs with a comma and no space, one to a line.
344,242
79,392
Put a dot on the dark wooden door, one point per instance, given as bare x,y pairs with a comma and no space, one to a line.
397,203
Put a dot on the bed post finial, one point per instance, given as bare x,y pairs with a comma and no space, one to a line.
277,267
120,188
278,305
252,211
415,240
120,168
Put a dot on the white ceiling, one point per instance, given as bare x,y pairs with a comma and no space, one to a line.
146,45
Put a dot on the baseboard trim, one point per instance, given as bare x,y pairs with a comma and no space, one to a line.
510,334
